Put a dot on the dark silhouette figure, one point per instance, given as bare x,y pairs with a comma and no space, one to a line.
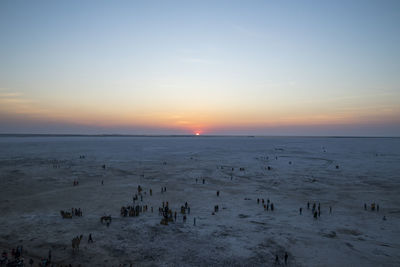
90,239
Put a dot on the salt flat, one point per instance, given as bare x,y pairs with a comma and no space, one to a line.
37,174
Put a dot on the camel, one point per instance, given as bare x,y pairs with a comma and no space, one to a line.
76,241
66,215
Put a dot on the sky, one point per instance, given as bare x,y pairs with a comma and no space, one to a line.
208,67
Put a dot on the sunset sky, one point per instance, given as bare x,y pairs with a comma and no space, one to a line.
213,67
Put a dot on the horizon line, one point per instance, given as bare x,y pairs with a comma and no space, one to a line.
185,135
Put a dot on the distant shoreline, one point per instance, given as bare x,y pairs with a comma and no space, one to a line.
187,135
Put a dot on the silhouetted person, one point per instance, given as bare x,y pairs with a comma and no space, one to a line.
286,257
308,205
330,209
90,239
365,206
300,210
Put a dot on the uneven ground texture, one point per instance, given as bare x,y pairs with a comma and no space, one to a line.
33,191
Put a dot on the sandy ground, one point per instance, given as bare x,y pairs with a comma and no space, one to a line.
242,233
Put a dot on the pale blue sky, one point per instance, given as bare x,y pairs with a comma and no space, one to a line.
262,67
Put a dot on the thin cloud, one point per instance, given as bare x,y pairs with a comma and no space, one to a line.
17,103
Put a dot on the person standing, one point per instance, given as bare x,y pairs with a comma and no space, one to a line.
49,258
90,239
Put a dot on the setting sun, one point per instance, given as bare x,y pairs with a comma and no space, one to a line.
197,133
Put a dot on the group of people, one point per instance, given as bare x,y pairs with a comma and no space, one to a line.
374,207
76,182
285,258
316,213
133,211
170,216
16,258
74,212
267,205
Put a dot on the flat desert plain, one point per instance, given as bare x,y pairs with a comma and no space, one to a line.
338,174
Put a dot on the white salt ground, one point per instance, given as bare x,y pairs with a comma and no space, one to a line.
241,233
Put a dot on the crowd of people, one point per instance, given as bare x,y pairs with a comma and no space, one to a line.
168,215
15,258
